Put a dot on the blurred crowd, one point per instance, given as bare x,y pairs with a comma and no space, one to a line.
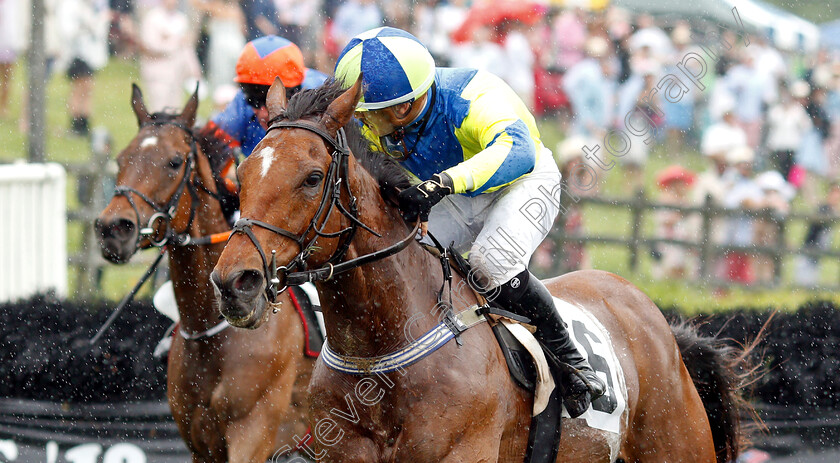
766,120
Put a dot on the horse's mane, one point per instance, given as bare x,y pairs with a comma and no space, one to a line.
219,153
314,102
217,150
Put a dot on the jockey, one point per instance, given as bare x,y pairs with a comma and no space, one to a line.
243,122
476,150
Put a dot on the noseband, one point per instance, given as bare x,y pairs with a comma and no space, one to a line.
330,200
166,212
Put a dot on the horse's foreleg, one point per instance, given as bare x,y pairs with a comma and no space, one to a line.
254,436
251,439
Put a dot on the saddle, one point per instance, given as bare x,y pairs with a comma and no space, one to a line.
518,348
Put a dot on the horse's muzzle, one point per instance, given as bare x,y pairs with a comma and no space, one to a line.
241,297
117,239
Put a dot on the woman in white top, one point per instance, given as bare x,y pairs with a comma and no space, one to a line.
167,57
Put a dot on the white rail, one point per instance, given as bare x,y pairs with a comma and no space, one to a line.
33,230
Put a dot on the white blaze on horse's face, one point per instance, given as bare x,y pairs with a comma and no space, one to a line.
148,141
267,155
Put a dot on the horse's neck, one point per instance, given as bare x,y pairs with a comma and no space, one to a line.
190,267
367,310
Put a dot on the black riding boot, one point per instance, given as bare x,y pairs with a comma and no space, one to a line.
527,296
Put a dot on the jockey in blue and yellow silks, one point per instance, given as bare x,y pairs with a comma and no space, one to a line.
476,150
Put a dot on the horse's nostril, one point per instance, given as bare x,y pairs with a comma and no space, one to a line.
243,285
248,282
120,229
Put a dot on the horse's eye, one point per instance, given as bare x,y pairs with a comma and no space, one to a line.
314,179
176,162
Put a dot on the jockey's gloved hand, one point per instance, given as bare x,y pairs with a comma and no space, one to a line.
418,200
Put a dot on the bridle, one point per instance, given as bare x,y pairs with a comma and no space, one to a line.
334,181
166,212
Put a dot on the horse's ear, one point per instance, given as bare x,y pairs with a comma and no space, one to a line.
190,109
275,101
139,106
341,110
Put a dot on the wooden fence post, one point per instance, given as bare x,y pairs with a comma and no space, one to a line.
37,91
780,222
558,235
92,200
637,208
706,244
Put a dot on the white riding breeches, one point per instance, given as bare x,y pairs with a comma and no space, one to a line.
501,230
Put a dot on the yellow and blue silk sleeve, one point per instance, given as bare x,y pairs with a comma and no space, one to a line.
499,137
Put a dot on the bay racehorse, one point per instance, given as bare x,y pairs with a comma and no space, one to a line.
236,395
326,208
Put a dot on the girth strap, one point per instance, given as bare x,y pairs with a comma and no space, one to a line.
422,347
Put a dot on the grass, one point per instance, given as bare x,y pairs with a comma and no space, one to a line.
111,110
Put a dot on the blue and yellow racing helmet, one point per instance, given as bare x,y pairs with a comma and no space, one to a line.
395,65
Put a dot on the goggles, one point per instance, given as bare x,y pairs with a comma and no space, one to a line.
255,95
393,148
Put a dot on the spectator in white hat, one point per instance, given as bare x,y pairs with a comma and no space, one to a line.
649,35
721,137
718,140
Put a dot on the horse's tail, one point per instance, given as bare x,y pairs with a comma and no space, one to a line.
719,373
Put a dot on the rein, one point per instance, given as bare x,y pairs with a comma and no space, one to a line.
330,200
